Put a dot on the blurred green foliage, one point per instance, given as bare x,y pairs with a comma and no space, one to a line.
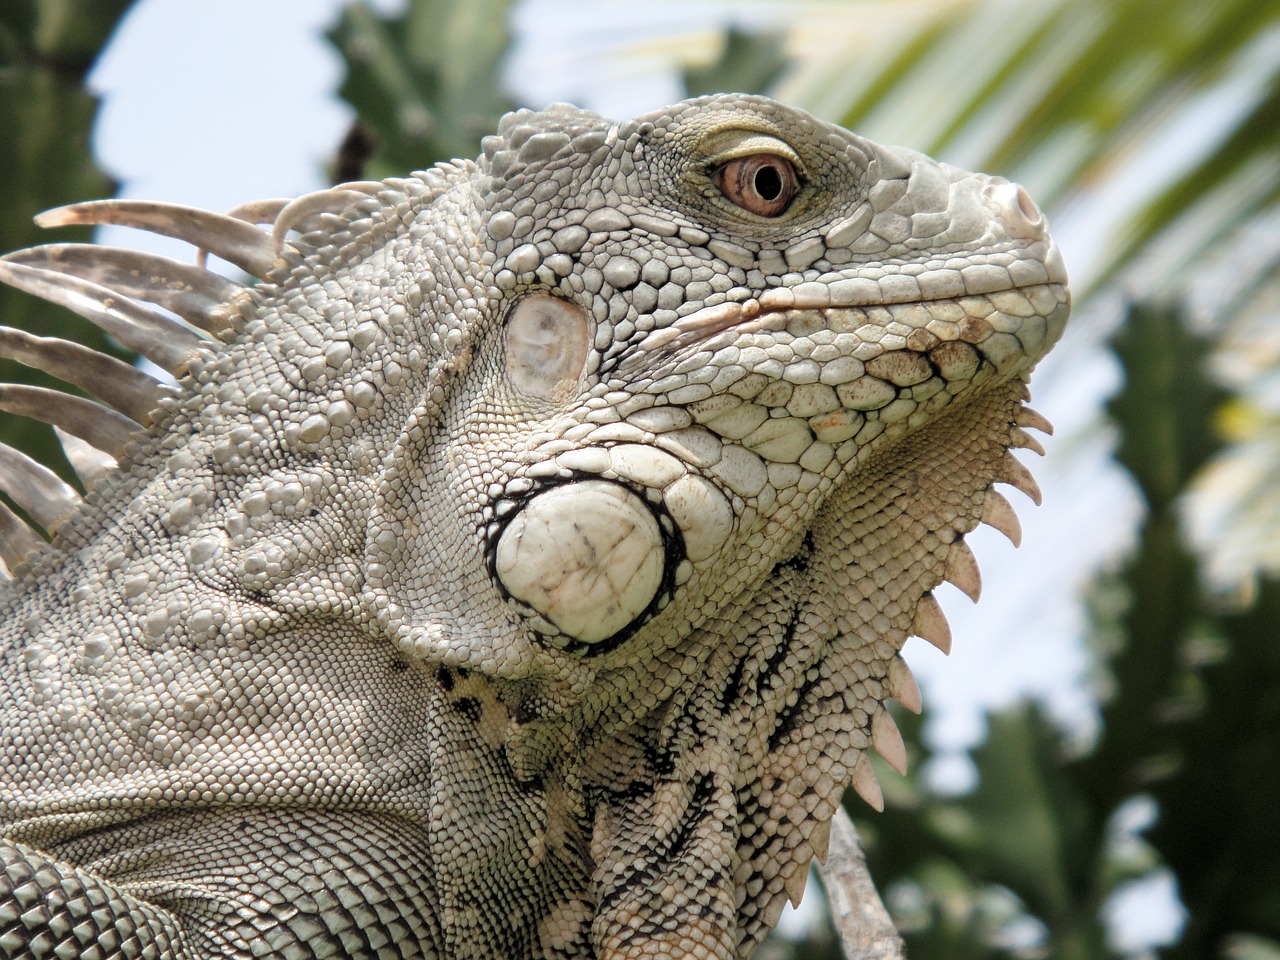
747,63
425,84
46,49
1062,94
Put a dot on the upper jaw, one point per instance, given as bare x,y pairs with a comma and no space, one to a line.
1030,289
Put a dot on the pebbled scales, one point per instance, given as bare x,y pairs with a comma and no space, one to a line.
520,568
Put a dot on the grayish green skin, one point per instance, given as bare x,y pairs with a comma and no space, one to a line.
327,668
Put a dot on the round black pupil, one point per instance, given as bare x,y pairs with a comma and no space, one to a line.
768,183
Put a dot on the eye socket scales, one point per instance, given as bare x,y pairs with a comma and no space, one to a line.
763,183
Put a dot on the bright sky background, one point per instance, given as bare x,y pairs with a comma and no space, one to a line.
215,104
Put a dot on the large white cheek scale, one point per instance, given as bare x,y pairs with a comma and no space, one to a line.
587,556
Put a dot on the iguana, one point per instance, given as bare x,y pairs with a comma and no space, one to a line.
519,567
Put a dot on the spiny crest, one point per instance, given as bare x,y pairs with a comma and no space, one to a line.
162,309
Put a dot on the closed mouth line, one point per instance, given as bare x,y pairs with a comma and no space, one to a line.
755,313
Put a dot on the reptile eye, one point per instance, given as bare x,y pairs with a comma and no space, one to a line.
763,184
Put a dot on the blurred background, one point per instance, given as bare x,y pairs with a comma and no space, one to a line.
1097,770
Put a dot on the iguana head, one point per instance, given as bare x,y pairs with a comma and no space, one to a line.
650,440
695,328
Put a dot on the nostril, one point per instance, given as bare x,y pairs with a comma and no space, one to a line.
1017,211
1028,207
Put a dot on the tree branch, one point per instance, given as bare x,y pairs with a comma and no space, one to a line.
865,928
